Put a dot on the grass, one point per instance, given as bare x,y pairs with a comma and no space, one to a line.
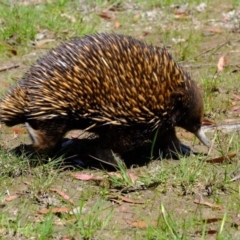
153,201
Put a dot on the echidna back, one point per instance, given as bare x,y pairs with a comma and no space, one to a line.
105,78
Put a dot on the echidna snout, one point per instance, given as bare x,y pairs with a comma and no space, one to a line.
192,120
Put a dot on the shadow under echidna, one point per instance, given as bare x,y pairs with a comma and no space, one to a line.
114,86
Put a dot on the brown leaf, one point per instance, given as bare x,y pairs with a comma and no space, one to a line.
125,199
27,183
54,210
18,130
86,177
141,224
222,62
11,198
209,232
107,15
66,237
222,159
137,16
207,122
117,25
13,51
211,220
211,205
62,194
116,201
182,16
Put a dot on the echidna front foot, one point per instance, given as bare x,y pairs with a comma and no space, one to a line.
176,152
170,146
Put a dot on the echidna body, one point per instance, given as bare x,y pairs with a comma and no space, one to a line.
117,86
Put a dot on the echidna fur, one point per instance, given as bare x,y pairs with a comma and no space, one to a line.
122,87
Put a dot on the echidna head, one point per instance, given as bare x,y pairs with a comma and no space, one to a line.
193,114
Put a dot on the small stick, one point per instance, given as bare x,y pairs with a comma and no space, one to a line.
5,68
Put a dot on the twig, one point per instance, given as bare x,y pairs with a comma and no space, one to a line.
210,49
209,65
5,68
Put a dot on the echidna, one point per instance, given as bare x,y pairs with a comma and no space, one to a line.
114,85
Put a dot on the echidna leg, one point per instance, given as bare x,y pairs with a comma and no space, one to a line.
110,145
45,135
171,146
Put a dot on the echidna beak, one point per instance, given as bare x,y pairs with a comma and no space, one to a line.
202,137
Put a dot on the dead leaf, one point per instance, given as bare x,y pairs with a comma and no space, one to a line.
141,224
54,210
107,15
211,220
86,177
207,122
222,159
18,130
62,194
116,201
222,62
211,205
117,25
11,198
27,183
181,16
13,51
136,17
209,232
125,199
